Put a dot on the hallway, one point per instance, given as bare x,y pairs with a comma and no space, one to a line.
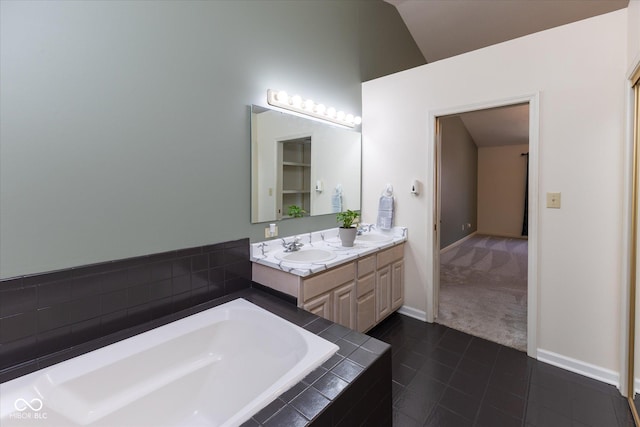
483,289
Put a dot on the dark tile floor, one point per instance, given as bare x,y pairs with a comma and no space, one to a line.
442,377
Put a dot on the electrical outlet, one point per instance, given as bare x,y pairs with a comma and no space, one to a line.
268,233
462,227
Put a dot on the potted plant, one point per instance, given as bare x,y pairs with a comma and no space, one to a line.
296,211
347,230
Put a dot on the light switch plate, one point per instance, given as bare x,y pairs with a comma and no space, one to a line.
553,200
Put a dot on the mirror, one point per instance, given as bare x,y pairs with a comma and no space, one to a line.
303,162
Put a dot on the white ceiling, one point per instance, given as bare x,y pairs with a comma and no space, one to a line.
498,126
445,28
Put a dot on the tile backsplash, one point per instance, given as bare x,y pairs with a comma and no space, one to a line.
46,313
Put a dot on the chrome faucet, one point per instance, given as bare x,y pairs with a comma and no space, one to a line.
293,245
362,227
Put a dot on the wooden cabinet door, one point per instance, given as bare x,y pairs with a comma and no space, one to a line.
397,284
320,306
344,305
383,292
366,308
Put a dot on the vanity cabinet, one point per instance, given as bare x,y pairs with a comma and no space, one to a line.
389,281
332,295
357,294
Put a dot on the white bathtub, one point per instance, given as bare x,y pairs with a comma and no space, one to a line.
214,368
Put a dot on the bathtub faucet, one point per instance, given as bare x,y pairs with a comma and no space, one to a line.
293,245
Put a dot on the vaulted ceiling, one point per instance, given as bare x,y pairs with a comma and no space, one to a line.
445,28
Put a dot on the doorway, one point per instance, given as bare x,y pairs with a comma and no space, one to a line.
467,229
483,224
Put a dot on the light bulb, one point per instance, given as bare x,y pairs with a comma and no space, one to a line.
296,101
340,115
357,120
282,96
320,109
308,105
349,118
331,112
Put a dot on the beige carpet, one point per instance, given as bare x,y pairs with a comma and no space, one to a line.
483,289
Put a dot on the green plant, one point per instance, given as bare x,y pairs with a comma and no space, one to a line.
347,218
296,211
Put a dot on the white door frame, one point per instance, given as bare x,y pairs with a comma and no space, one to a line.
433,153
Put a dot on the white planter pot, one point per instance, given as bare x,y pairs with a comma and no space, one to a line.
347,236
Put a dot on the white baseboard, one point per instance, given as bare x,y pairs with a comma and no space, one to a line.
413,312
636,385
457,242
579,367
499,234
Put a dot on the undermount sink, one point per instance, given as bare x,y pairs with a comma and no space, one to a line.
373,238
307,256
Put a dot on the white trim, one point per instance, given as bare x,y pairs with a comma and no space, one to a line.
636,386
579,367
635,65
533,287
458,242
507,235
626,234
431,287
413,312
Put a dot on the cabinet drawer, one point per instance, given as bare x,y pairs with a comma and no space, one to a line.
327,280
366,265
365,284
388,256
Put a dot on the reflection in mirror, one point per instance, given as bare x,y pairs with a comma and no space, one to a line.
307,163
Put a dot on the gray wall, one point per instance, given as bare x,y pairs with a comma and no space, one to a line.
386,45
124,126
459,181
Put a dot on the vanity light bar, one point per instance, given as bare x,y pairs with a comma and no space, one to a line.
280,98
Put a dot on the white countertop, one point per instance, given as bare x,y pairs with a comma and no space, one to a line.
265,252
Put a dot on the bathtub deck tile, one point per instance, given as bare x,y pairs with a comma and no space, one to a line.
318,325
356,337
268,411
329,336
338,330
288,417
333,361
16,371
310,403
375,346
314,375
347,370
363,357
330,385
293,392
346,348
